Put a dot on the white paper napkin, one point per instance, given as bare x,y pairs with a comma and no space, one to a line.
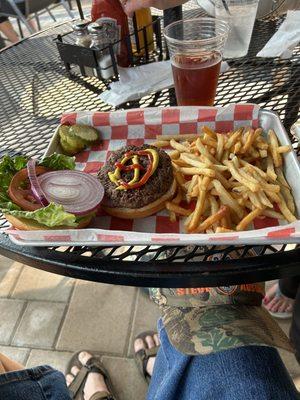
285,39
140,81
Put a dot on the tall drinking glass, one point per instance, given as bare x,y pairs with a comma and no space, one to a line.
240,15
195,47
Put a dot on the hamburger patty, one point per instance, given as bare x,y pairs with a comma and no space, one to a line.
157,185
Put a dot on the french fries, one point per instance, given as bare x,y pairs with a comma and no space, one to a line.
221,229
209,221
177,209
227,199
188,137
274,148
198,171
243,224
270,169
178,146
202,188
285,210
161,143
230,178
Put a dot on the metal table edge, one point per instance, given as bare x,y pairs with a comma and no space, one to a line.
196,274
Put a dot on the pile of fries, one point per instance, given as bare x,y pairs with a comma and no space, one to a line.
233,178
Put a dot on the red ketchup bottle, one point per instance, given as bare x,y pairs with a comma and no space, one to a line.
111,12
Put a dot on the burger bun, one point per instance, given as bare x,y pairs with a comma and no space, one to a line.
146,211
24,224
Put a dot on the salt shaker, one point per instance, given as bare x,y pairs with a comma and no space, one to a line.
82,38
100,41
81,32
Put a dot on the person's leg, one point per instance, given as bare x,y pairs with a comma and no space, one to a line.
150,342
245,373
32,24
279,299
30,21
289,286
8,365
95,382
8,31
295,326
37,383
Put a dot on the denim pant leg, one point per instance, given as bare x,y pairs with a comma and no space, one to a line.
40,383
295,326
245,373
289,286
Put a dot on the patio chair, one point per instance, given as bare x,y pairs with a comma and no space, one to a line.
33,8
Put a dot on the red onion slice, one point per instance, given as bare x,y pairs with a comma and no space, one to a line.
36,189
79,192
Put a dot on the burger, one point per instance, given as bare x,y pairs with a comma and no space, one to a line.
47,195
137,181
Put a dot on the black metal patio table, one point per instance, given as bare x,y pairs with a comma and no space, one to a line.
35,90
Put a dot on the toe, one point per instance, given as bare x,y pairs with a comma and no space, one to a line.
282,308
74,370
156,339
286,306
277,305
138,345
69,379
272,304
84,357
150,342
290,307
271,293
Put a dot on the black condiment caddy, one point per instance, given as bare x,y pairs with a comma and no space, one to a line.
84,57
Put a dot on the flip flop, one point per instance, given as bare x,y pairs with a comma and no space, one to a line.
279,315
142,356
94,364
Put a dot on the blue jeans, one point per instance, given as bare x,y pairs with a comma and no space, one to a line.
40,383
245,373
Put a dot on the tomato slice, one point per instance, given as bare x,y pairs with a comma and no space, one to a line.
21,196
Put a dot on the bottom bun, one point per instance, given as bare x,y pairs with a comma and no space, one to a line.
24,224
146,211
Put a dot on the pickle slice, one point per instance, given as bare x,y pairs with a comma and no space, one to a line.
69,143
84,132
68,149
76,138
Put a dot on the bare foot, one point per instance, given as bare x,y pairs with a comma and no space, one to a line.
150,342
94,383
276,302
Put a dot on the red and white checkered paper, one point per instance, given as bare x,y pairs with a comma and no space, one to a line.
135,127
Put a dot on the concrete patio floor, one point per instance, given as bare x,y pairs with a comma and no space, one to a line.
60,15
46,317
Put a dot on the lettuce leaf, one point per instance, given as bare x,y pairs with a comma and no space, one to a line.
9,166
6,203
53,215
58,161
12,164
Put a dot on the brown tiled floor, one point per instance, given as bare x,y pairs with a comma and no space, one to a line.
45,318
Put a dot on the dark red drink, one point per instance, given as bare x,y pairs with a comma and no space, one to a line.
196,78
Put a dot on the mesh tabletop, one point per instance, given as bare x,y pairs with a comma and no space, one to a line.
36,89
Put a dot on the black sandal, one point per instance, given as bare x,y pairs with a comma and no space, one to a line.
142,356
94,364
